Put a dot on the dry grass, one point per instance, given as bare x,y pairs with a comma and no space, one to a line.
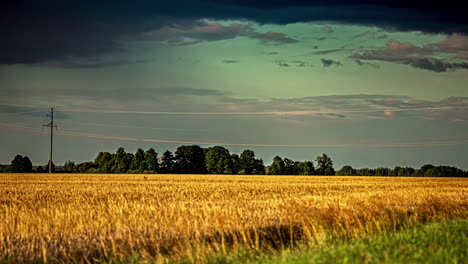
78,218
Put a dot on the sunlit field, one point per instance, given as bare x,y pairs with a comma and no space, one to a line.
208,218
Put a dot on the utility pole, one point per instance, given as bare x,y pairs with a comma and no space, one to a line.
51,125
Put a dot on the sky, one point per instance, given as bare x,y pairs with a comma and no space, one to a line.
370,83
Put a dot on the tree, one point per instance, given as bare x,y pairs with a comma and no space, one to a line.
290,167
46,167
86,167
190,159
138,163
247,161
218,160
104,162
259,167
406,171
21,164
383,171
324,165
305,168
235,164
395,171
40,169
117,159
346,171
69,166
151,160
167,162
277,166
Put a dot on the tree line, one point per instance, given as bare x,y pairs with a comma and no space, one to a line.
193,159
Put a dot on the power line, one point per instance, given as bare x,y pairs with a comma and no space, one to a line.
51,125
25,112
285,113
354,145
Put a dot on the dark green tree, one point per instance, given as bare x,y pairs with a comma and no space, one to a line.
151,160
69,167
190,159
21,164
259,167
324,165
167,162
86,167
235,164
218,160
277,166
346,171
104,162
383,172
138,164
247,161
290,167
395,171
305,168
118,157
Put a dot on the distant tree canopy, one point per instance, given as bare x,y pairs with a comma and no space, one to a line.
193,159
21,164
190,159
425,171
324,165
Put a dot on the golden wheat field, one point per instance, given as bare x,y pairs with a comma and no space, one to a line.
81,217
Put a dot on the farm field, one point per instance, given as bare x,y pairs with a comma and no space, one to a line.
79,218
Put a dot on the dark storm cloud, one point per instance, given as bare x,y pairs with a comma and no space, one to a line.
425,63
182,35
328,63
420,57
38,31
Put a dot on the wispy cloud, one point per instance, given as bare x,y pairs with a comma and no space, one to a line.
361,63
328,63
230,61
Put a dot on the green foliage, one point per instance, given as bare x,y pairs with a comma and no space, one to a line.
346,171
69,166
138,162
218,160
190,159
104,162
86,167
151,160
442,242
305,168
167,162
324,165
21,164
291,167
277,167
46,167
250,165
235,164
